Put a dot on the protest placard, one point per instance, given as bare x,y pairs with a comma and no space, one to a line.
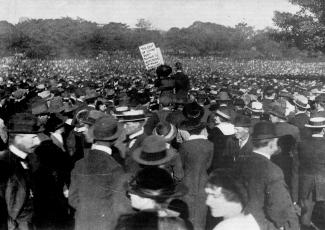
150,55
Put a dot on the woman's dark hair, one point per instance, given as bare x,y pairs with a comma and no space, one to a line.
232,184
143,220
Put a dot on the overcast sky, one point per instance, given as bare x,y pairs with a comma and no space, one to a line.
163,14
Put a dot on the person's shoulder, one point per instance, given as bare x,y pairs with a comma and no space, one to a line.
242,222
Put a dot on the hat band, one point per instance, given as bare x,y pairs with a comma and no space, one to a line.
223,115
316,123
101,135
132,117
153,156
299,103
263,136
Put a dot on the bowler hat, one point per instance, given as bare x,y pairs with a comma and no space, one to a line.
156,183
106,128
25,123
264,130
153,151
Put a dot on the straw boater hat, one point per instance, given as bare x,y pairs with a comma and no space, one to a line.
316,122
166,130
132,116
301,101
256,107
153,151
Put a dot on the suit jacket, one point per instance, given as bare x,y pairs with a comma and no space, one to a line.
311,168
196,155
17,190
96,192
269,199
299,120
245,150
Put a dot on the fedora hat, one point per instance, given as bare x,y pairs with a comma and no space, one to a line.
25,123
277,110
193,111
153,151
301,101
166,130
242,121
106,128
264,130
156,183
316,122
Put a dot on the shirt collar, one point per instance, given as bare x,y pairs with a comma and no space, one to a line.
18,152
102,148
243,142
263,154
193,137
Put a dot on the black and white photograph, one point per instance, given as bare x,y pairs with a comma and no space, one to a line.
162,115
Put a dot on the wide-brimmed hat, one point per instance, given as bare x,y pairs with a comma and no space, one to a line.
25,123
106,129
193,111
132,116
156,183
316,122
264,130
277,110
301,101
242,121
153,151
166,130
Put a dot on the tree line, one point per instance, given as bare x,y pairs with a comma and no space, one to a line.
300,35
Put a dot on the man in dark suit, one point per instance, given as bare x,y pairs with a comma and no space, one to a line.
301,117
182,84
17,188
311,169
269,199
242,128
96,190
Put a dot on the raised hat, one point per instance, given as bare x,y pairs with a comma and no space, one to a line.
153,151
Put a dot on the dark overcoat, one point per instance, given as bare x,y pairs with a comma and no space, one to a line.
96,192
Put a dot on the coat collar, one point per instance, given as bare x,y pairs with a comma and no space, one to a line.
102,148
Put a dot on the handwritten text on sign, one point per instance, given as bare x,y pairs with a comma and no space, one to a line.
149,55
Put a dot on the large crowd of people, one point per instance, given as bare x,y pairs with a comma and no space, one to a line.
201,144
